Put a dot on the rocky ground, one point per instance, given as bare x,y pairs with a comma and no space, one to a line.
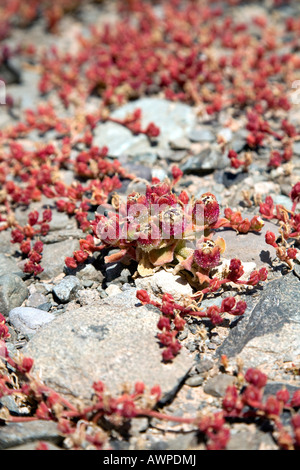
87,324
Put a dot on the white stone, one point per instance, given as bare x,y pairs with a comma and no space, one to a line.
28,320
163,282
112,289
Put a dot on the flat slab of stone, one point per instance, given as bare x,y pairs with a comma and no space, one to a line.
15,434
29,320
9,265
54,256
112,340
269,329
13,292
249,247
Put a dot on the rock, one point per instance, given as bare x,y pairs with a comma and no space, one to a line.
116,273
269,329
112,289
15,434
201,135
147,159
54,256
209,159
194,381
250,247
204,366
238,144
159,173
230,178
296,148
113,340
87,296
216,386
60,220
163,282
283,200
175,120
265,188
9,265
62,235
28,320
120,140
225,134
66,289
249,437
36,299
181,143
273,347
6,247
13,292
90,273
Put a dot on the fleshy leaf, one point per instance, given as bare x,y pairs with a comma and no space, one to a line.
162,256
144,267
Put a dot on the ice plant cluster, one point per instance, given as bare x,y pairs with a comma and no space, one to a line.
249,403
173,314
163,229
286,240
173,53
27,237
23,14
38,175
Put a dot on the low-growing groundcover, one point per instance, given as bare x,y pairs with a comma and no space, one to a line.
58,183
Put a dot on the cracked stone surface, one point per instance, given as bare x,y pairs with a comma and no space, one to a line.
112,340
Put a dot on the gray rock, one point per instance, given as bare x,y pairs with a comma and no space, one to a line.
175,120
61,235
296,148
216,386
249,247
238,144
36,299
159,173
163,282
272,347
54,256
208,159
249,437
201,135
225,134
13,292
112,340
89,273
182,143
120,140
60,220
9,265
204,366
28,320
194,381
9,402
26,94
6,246
15,434
269,329
283,200
148,158
66,289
